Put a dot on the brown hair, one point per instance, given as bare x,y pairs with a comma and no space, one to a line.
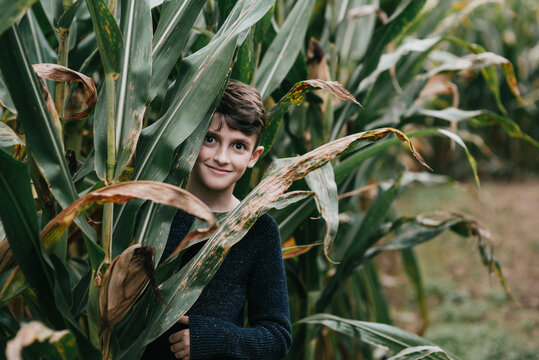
241,107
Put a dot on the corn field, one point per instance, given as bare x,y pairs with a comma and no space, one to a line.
105,104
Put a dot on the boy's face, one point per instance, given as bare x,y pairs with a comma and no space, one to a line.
224,156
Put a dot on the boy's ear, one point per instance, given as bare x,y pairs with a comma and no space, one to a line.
255,155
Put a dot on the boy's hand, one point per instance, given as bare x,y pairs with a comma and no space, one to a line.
180,341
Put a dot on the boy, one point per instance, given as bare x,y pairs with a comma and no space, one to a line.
253,270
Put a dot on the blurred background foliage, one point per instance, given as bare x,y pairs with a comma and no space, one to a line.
459,78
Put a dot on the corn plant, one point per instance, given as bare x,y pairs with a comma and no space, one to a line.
104,108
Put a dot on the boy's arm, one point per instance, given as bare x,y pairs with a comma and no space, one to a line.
269,335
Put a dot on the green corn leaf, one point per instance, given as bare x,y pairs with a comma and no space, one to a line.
108,35
64,22
20,223
245,60
34,42
132,89
40,131
11,11
177,18
374,295
412,270
346,166
382,335
322,183
284,49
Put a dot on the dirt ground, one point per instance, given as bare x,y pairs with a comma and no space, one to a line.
464,300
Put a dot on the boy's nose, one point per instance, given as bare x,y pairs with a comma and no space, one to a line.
220,156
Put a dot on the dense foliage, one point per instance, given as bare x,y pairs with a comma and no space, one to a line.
104,106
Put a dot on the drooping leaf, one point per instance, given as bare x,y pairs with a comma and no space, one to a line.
511,127
412,231
108,35
122,192
322,183
11,10
364,239
380,335
284,49
346,166
38,340
471,159
295,97
59,73
469,62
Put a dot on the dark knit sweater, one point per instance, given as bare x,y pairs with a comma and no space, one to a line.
251,276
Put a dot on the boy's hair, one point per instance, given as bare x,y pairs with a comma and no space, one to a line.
241,107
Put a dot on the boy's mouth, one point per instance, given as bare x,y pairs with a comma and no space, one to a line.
218,170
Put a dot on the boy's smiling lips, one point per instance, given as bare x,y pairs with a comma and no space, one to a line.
218,170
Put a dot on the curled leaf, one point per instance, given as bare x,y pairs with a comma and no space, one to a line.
63,74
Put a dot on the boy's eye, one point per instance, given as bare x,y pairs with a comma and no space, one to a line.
210,139
239,146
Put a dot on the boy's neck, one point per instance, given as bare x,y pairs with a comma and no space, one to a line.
217,201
